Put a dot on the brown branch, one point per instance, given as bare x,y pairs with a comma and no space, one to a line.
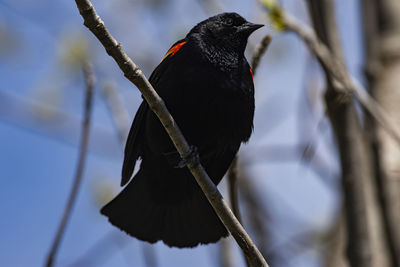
232,185
382,65
259,52
225,253
117,109
353,149
135,75
89,77
332,64
338,71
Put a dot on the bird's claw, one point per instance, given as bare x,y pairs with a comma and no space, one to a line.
191,156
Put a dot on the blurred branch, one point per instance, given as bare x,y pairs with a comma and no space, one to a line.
96,254
335,242
382,36
117,110
355,163
89,77
135,75
291,153
211,7
259,52
257,216
121,121
332,65
232,184
149,255
58,124
225,253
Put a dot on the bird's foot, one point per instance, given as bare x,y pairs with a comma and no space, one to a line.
191,156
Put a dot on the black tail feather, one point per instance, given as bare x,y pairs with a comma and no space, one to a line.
183,224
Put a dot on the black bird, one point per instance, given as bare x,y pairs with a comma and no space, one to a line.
207,85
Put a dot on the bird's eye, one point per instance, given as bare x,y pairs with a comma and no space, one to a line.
229,22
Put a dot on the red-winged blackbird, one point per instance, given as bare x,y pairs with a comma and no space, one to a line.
207,85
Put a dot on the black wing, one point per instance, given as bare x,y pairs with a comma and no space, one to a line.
132,147
135,138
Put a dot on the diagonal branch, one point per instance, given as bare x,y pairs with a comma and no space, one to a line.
259,52
87,69
333,66
135,75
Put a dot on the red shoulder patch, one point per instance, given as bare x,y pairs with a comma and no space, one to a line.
173,50
251,73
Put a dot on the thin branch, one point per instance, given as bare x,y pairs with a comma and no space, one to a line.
100,251
334,66
259,52
353,149
135,75
58,124
232,185
339,72
120,115
381,34
87,69
225,253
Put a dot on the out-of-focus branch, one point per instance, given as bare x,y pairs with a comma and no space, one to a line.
232,184
211,6
100,251
259,52
46,120
117,110
355,163
257,215
335,243
225,253
332,64
135,75
382,38
89,77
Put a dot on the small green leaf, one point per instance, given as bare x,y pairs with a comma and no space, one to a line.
275,14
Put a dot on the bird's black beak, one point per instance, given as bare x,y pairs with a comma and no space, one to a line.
249,27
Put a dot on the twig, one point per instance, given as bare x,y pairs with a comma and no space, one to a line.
233,194
225,253
335,67
352,146
100,251
135,75
87,69
381,32
259,52
339,72
120,115
232,184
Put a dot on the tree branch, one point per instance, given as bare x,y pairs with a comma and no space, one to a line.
353,149
335,67
381,35
116,107
135,75
259,52
89,77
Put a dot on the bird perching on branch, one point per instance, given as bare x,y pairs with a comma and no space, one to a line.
207,85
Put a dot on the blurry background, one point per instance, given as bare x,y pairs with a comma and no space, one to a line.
290,192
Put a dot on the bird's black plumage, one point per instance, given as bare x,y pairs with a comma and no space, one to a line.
207,85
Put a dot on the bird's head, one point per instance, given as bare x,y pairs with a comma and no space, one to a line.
226,30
